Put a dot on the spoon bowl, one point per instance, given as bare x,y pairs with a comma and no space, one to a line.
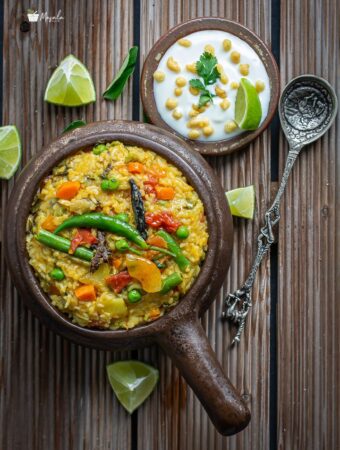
307,108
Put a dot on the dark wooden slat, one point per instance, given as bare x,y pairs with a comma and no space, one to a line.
309,257
173,418
54,394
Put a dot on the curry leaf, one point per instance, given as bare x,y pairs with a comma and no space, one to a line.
73,125
117,85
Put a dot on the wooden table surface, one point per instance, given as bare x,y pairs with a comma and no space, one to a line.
54,394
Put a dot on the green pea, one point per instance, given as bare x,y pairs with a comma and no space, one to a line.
57,274
134,296
122,245
182,232
98,149
123,217
109,185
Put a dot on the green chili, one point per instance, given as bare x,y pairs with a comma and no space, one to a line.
63,245
104,223
170,282
180,259
123,217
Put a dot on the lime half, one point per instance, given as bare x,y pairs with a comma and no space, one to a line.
248,110
10,151
242,202
70,84
132,382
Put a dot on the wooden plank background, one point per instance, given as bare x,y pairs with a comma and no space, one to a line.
54,394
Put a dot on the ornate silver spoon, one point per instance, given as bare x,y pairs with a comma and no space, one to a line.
307,108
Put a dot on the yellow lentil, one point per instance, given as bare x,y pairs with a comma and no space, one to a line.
171,103
235,57
226,45
184,42
173,65
159,76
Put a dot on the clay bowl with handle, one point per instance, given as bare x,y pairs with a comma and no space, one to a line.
179,332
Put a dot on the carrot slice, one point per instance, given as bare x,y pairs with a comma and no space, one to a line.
165,193
117,263
49,224
157,241
86,293
154,313
68,190
135,167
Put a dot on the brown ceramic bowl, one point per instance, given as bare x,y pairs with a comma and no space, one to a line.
182,30
179,332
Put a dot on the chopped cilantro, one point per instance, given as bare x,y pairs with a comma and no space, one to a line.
206,69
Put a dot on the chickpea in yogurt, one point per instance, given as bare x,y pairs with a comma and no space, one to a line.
204,109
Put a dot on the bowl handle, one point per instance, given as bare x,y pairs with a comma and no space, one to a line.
187,345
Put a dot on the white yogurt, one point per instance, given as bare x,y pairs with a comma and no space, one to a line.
214,113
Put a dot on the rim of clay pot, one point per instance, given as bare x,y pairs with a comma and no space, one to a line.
209,23
199,175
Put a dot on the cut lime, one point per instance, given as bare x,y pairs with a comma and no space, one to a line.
132,382
70,84
248,110
242,202
10,151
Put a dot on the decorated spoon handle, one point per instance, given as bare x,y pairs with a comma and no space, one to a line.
236,305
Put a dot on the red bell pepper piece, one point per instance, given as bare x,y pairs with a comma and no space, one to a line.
83,236
163,220
119,281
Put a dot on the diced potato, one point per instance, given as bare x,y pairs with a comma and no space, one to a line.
113,305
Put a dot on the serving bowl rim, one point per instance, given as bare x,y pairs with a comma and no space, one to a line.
183,29
196,171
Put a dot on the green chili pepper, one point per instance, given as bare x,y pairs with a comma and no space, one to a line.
170,282
134,296
180,259
63,245
57,274
122,246
123,217
104,223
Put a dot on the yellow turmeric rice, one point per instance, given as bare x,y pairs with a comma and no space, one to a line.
125,285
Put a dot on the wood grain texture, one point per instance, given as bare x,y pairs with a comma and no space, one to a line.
173,418
309,257
54,394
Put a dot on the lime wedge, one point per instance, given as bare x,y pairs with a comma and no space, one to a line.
70,84
242,202
132,382
248,110
10,151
